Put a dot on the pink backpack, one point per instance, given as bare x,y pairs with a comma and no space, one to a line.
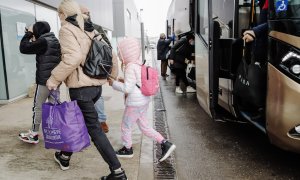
150,81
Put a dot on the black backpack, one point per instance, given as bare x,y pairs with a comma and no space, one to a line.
98,63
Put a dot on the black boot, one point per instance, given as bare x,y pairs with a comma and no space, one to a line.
166,149
115,176
62,161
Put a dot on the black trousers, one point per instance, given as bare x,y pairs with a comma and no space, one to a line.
86,98
180,75
163,67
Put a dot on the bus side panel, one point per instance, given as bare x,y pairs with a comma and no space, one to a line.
179,12
283,109
202,74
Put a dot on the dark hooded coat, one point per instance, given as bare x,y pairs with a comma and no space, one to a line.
46,47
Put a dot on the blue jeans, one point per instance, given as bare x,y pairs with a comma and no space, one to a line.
99,106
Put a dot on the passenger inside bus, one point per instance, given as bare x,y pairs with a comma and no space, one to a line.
183,49
258,36
259,33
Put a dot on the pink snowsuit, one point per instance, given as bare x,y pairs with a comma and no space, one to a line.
136,103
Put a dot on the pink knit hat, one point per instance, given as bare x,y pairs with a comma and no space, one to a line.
129,50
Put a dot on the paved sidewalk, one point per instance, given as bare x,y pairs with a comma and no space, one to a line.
19,160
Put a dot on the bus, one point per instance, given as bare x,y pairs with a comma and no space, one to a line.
180,17
218,27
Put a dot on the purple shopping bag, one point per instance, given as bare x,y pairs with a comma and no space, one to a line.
64,127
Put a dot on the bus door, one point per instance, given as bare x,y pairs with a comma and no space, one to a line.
222,50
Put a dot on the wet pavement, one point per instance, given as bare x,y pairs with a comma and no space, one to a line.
216,150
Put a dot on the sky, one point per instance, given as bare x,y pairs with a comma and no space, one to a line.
154,15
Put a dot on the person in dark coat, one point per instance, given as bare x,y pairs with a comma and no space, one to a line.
40,41
162,49
183,49
259,33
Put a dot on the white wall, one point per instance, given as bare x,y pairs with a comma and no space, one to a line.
119,15
101,10
132,25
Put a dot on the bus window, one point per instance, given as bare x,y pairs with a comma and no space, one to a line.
223,12
202,11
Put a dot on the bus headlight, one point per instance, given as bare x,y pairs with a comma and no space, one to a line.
295,69
291,63
295,132
297,129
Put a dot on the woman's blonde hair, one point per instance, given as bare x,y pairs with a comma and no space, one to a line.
71,8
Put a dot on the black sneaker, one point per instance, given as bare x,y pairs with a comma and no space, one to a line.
63,162
166,149
115,176
125,153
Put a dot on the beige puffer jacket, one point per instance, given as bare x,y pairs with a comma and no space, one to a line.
75,45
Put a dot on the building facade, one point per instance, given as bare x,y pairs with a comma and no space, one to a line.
127,20
17,71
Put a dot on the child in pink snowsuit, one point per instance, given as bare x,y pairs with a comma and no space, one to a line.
136,103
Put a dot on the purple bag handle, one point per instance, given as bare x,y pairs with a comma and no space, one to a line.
54,94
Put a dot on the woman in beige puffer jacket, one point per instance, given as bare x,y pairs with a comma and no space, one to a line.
75,45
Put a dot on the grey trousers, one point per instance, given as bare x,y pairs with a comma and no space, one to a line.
42,93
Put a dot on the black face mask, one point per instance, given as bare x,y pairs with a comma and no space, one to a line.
88,25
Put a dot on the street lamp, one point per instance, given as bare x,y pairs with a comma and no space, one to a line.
141,10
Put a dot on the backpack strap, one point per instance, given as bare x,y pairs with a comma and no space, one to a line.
88,35
140,65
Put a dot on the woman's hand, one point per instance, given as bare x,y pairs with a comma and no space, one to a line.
120,79
50,85
171,61
249,36
110,81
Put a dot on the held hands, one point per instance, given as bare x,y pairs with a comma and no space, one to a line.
120,79
111,80
249,36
